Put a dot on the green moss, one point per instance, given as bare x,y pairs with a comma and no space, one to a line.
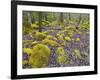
61,56
53,24
60,50
50,42
77,39
68,38
41,48
35,26
40,35
77,53
25,62
27,51
61,59
49,37
34,43
40,55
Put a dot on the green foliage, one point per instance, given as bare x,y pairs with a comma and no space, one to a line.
40,35
40,55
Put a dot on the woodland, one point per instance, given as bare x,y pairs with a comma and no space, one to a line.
55,39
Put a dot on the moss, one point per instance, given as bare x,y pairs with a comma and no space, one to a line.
40,56
60,50
35,26
61,59
70,33
34,43
41,48
40,35
49,37
77,39
61,56
28,51
53,24
77,53
25,62
68,38
60,37
50,42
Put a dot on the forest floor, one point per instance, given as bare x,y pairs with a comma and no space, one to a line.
81,45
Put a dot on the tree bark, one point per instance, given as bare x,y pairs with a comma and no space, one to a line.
40,21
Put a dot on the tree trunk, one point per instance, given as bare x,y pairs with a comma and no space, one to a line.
69,17
80,17
61,17
45,15
29,18
40,21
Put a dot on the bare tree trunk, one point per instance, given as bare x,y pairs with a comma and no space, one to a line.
80,17
29,18
45,15
61,18
69,17
40,21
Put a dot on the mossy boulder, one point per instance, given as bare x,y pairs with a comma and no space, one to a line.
77,39
27,51
50,42
40,56
60,51
34,43
62,57
67,38
35,26
40,35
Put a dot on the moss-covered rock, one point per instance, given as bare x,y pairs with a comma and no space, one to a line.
34,43
25,62
50,42
78,39
27,51
68,38
60,51
35,26
61,56
40,56
40,35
